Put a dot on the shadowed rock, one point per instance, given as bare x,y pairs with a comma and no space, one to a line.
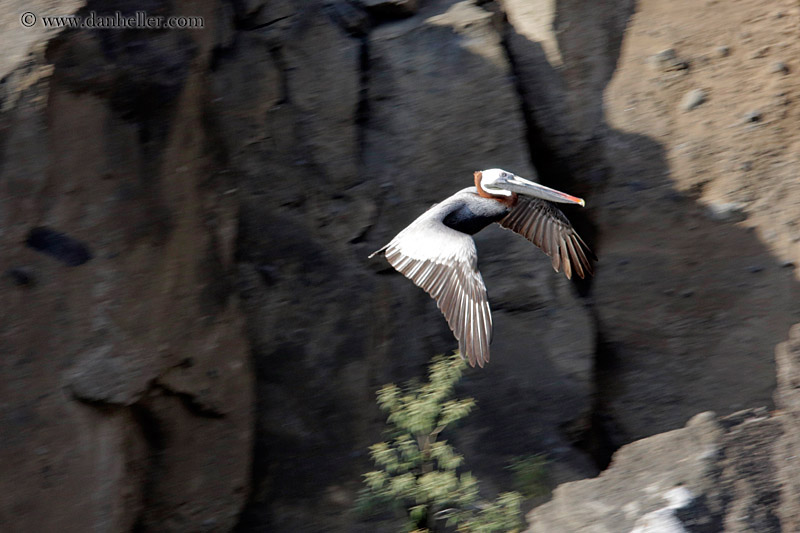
66,249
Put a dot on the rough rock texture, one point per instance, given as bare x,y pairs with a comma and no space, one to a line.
19,41
391,7
722,469
697,218
125,387
787,454
718,295
662,182
564,53
191,326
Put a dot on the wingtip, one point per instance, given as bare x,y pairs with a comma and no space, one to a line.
476,360
376,252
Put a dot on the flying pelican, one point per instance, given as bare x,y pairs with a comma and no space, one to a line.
437,252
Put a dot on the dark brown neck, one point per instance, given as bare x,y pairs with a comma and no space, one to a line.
481,191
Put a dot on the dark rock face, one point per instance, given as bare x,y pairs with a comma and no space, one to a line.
391,8
193,333
125,385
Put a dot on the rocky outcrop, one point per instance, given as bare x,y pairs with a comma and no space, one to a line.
712,475
738,474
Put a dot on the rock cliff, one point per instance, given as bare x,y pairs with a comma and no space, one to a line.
126,382
192,332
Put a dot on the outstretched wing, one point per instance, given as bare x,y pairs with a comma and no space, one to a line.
545,225
444,263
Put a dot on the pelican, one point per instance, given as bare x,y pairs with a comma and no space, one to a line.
437,252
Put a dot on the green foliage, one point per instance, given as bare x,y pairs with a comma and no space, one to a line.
530,475
501,515
418,473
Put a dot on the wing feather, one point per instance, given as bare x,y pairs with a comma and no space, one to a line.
565,254
545,225
443,262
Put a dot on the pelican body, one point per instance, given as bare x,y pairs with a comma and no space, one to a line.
437,252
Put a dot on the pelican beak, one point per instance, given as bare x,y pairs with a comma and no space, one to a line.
529,188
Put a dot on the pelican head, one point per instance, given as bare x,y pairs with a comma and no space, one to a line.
502,183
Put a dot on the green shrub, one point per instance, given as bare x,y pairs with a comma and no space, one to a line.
530,475
418,473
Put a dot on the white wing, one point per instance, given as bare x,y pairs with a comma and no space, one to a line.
444,263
